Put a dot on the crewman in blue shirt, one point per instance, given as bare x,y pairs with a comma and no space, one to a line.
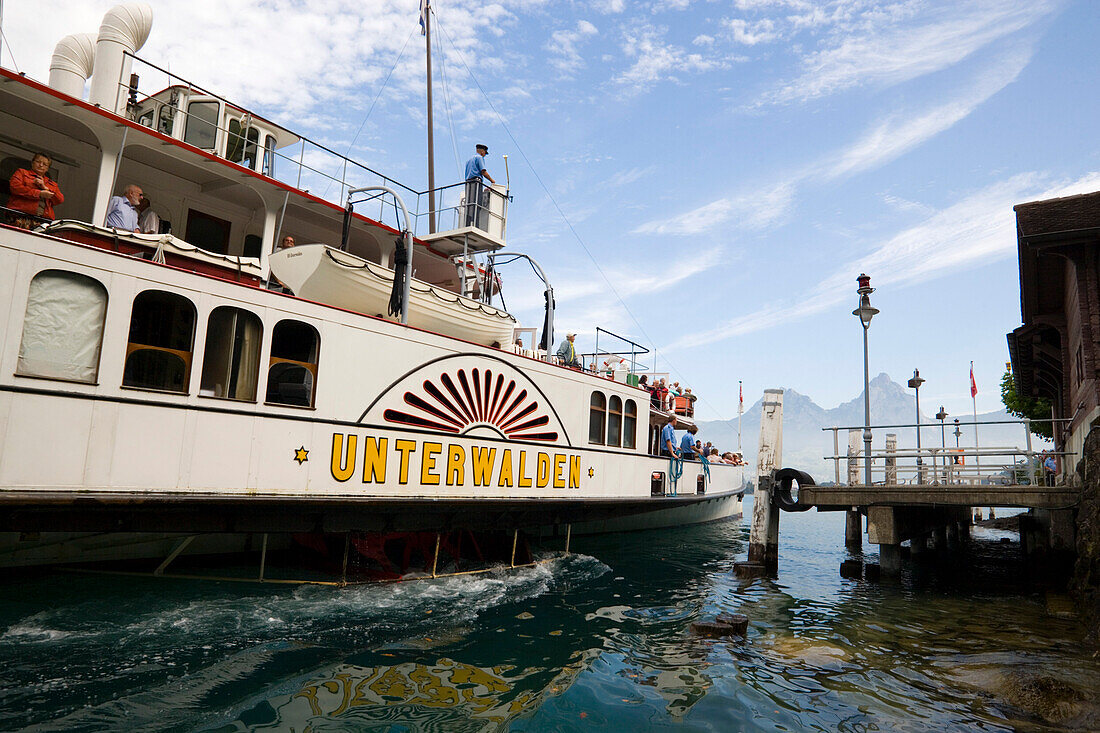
668,437
475,172
687,443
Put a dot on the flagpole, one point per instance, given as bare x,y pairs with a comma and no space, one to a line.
974,404
740,409
426,14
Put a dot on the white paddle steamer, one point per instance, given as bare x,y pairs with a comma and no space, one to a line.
161,393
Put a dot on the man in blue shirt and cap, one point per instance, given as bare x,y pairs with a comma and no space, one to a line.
475,172
668,437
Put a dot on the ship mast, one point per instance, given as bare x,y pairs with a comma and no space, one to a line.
426,16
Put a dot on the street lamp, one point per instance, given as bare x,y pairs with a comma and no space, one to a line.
865,313
914,384
941,416
958,432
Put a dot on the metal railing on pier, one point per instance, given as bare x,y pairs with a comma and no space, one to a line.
944,464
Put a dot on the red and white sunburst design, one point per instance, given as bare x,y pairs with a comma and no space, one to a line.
465,402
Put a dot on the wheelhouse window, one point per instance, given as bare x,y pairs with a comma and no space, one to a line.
162,334
597,418
63,327
292,370
231,359
242,144
269,156
630,424
615,421
202,125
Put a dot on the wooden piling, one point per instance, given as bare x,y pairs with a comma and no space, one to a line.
764,532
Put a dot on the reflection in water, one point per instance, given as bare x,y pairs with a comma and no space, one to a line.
577,643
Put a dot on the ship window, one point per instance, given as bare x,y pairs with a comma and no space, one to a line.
614,421
207,232
236,149
146,118
202,125
597,417
162,332
630,424
292,371
269,156
63,327
231,359
253,244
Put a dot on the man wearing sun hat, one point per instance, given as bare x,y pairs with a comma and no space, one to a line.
567,355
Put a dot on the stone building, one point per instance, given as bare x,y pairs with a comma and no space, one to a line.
1056,352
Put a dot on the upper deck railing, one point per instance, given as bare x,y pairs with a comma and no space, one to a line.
306,164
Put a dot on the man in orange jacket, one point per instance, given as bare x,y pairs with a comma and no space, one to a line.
32,191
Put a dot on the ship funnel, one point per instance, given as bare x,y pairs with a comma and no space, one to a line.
125,28
72,63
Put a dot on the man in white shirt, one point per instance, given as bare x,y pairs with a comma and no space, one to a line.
148,221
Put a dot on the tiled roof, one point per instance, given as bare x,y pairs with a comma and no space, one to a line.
1059,215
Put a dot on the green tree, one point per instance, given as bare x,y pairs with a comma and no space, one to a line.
1028,407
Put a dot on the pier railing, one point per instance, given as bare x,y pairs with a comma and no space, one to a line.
943,464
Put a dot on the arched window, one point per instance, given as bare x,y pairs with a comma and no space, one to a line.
630,424
162,336
63,327
292,374
231,359
597,417
615,421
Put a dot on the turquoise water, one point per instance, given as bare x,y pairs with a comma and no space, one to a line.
597,640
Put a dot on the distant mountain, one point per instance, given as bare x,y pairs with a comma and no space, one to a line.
805,443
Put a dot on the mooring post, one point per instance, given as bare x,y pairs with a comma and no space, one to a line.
853,456
568,536
891,461
764,531
853,529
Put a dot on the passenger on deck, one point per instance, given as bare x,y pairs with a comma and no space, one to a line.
122,211
691,402
33,192
288,241
668,437
148,221
475,173
567,355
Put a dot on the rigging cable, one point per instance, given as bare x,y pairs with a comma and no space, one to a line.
371,108
561,213
447,99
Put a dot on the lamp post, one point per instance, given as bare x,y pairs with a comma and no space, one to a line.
914,384
941,416
865,313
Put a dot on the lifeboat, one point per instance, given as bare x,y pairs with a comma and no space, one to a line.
326,275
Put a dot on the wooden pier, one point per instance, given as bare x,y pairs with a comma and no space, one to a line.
932,513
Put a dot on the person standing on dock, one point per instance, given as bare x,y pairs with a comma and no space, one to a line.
1050,467
668,438
475,173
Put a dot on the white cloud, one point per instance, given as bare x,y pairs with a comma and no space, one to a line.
874,48
654,60
563,46
900,133
977,230
609,6
750,34
752,210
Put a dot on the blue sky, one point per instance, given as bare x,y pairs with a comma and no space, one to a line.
728,167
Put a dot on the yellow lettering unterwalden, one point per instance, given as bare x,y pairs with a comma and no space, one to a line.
431,450
559,470
374,460
343,464
574,472
404,447
456,465
505,478
483,465
523,482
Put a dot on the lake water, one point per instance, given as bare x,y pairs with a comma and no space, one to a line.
596,640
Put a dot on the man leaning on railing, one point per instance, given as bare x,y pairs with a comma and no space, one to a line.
475,172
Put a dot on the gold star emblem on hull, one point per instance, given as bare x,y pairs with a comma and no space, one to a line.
301,455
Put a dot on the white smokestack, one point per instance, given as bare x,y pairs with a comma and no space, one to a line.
125,28
72,63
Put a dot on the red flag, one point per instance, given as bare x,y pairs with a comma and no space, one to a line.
741,394
973,384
